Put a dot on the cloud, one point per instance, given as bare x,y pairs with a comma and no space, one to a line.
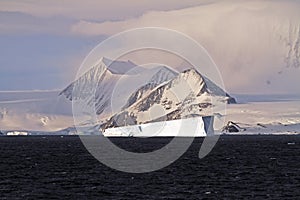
253,42
250,41
94,10
56,17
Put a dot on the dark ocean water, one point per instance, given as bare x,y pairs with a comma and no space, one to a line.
239,167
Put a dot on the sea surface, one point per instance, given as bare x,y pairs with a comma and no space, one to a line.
239,167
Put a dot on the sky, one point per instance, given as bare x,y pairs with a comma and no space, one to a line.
255,44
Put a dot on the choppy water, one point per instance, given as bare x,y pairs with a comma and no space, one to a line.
239,167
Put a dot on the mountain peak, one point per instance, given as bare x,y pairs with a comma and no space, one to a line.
118,66
163,74
191,79
165,87
191,71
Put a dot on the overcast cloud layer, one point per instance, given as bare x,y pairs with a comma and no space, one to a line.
256,44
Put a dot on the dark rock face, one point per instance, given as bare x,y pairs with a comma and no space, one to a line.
139,94
162,75
152,98
122,119
232,127
230,99
176,114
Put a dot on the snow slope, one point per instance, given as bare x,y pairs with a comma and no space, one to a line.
41,112
184,95
265,114
34,110
105,79
114,86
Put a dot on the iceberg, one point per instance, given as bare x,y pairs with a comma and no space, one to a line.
189,127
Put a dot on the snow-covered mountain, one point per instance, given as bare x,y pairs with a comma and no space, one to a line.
163,93
106,75
102,77
162,75
186,94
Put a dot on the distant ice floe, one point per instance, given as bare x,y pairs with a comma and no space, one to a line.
14,133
